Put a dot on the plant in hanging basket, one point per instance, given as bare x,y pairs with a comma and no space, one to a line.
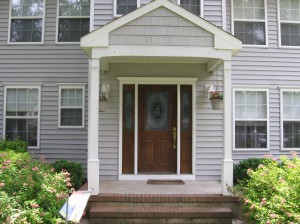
216,98
216,95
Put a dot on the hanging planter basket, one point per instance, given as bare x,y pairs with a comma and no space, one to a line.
217,104
102,105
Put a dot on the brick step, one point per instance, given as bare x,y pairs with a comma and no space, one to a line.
159,214
163,198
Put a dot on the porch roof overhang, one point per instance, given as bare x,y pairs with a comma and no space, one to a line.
97,43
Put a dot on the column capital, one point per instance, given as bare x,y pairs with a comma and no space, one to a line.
95,63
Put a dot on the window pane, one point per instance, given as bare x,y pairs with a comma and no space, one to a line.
249,9
290,10
74,8
26,30
191,5
291,105
252,33
22,102
250,104
71,117
291,134
250,134
71,30
71,97
25,129
290,34
157,110
126,6
27,8
186,110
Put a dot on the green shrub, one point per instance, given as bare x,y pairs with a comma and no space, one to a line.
272,194
15,145
240,169
30,190
74,169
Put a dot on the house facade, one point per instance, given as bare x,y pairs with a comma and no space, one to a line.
155,61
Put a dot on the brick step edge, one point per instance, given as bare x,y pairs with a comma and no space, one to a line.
159,212
163,198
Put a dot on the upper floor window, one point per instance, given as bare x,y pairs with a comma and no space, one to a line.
290,22
249,21
73,20
22,114
251,119
123,7
290,119
193,6
26,21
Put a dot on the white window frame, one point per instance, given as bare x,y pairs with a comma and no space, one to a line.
286,89
71,17
279,27
201,6
71,86
29,86
10,17
138,4
267,119
252,20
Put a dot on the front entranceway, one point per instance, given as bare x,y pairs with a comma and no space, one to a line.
157,135
157,128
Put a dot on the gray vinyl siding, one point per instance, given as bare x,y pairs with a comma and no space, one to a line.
47,64
212,11
271,67
161,27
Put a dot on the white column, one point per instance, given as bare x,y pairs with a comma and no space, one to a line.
93,115
227,166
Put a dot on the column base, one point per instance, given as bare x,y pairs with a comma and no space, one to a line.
227,176
93,175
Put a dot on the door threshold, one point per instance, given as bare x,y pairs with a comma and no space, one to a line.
156,176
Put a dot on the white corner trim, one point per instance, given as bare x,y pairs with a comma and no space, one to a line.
224,15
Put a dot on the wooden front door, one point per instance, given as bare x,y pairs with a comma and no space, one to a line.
157,115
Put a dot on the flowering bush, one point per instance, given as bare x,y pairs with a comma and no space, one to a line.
30,190
214,95
272,194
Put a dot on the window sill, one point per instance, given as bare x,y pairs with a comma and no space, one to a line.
250,150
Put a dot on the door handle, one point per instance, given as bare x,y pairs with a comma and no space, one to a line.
174,137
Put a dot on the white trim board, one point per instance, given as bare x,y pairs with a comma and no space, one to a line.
156,81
